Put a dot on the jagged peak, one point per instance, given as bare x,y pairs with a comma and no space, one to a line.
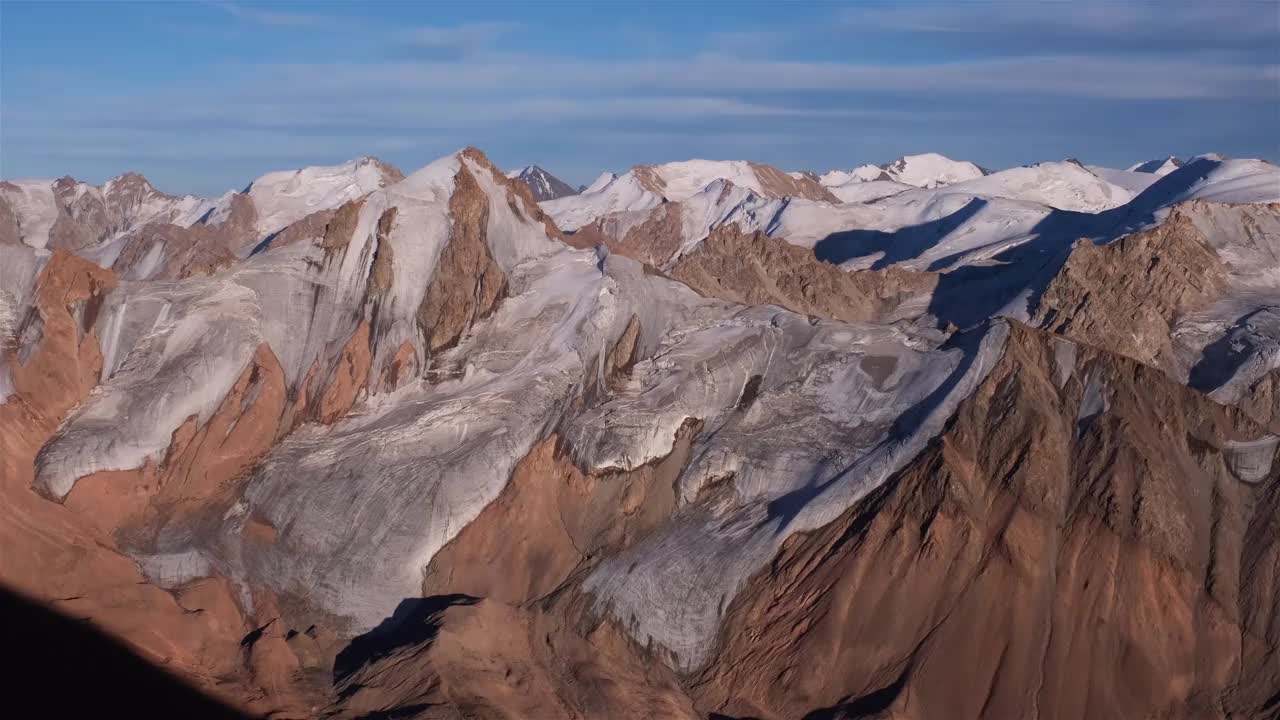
130,181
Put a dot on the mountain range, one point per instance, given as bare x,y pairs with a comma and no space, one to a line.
706,439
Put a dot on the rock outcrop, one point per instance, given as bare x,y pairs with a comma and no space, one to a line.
755,269
1128,295
1015,567
542,184
1020,566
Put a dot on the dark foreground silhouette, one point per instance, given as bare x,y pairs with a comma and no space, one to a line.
70,669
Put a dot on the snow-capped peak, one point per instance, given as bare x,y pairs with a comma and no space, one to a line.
542,184
646,186
286,196
601,180
928,170
862,173
1157,167
1066,185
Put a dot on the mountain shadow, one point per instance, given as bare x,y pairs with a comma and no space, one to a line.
899,245
414,621
968,295
63,667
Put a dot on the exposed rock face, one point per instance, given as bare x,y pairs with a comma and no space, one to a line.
653,241
67,556
1127,295
73,215
659,236
481,630
479,658
468,283
776,183
768,180
1195,296
755,269
1038,559
10,231
164,251
542,184
518,197
357,444
563,519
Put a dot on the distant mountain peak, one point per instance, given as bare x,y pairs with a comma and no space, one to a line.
542,184
927,170
1163,166
600,182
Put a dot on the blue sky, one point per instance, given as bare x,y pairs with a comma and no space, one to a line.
205,96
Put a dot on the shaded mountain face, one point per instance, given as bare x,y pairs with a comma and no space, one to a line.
542,184
354,443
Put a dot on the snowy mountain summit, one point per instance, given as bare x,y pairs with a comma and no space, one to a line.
1157,167
541,183
929,170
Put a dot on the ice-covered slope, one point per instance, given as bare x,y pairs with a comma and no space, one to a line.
1064,185
819,442
304,301
431,454
601,180
661,234
1134,182
856,191
34,209
1216,180
281,198
624,193
422,414
1014,205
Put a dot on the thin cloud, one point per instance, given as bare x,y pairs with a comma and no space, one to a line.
1068,76
484,83
271,18
1177,25
464,37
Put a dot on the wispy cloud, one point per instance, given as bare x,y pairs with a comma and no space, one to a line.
466,37
694,91
1038,68
272,18
1068,76
1177,25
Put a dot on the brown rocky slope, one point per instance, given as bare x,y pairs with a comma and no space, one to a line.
1048,556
